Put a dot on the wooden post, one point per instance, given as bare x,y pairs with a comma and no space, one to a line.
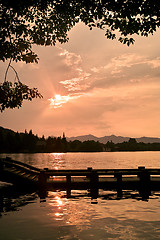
1,165
144,185
141,168
89,168
1,203
119,184
94,184
42,178
42,184
1,169
68,179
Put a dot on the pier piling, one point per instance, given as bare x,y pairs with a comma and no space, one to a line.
94,188
144,186
68,179
118,176
42,182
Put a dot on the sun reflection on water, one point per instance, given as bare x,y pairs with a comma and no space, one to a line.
58,160
59,201
57,204
107,218
69,212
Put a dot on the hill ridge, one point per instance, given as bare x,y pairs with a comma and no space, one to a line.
113,138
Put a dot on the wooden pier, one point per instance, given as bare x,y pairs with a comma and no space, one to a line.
141,179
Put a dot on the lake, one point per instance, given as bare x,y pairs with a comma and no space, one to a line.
25,217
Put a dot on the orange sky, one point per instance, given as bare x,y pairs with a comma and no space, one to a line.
91,85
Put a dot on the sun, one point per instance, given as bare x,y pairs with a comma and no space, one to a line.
58,97
58,100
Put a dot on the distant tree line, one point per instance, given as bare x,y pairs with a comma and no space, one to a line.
131,145
27,142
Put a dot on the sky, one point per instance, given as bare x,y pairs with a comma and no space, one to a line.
90,85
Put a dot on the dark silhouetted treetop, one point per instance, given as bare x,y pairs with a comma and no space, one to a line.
12,95
24,23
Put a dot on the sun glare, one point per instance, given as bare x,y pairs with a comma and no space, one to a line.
58,100
58,97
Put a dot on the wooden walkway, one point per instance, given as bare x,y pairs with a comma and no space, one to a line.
142,179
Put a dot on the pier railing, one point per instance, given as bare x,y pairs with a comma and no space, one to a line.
17,164
140,179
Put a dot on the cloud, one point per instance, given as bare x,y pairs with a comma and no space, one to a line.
155,63
95,69
71,59
79,79
116,65
124,70
78,83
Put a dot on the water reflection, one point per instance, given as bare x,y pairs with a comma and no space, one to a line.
94,160
12,199
25,216
77,218
56,203
62,210
58,160
102,194
40,160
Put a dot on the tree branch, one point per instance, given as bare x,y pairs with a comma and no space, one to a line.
15,73
5,77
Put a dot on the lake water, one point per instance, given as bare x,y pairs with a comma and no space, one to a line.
26,217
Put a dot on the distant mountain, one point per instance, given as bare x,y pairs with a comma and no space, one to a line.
83,138
113,138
